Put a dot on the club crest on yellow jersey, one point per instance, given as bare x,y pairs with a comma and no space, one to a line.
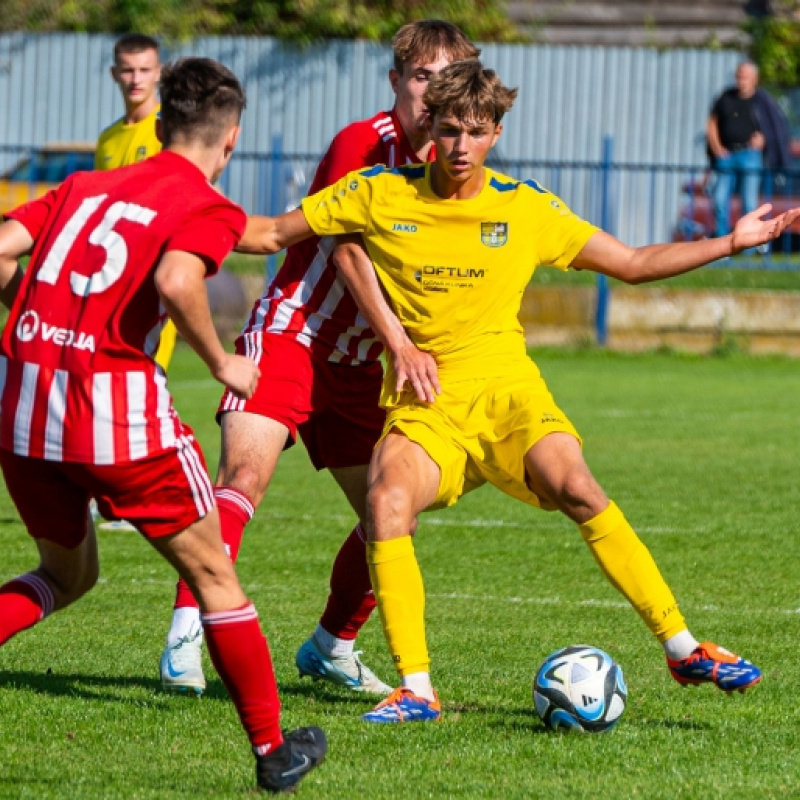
494,234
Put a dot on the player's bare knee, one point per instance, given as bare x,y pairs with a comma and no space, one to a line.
67,587
389,507
580,491
245,477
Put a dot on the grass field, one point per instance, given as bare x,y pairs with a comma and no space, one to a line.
702,456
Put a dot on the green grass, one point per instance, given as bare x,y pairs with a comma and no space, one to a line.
701,453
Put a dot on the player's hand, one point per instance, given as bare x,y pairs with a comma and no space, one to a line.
239,374
752,229
419,369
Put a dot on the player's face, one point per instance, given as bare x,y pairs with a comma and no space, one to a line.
462,147
137,75
409,88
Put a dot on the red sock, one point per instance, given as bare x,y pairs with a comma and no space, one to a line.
351,600
241,657
235,511
24,601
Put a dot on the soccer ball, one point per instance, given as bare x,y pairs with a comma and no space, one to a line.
580,688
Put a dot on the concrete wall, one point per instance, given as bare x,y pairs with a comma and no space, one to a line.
694,320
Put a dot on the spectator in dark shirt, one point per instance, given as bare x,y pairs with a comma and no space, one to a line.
747,134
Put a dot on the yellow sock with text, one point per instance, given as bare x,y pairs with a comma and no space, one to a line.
630,568
397,584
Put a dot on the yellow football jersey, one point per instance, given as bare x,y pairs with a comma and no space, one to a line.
454,270
121,144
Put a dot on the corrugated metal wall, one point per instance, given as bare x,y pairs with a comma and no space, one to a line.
654,104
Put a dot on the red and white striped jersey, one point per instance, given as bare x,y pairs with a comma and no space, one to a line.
77,374
308,301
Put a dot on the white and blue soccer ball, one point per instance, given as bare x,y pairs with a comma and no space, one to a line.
580,688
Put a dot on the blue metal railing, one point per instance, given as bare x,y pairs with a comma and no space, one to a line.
638,202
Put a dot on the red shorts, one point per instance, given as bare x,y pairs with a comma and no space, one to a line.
160,495
334,408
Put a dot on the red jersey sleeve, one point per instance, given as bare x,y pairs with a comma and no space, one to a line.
33,215
210,233
354,147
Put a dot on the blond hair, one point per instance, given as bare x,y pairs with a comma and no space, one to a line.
426,40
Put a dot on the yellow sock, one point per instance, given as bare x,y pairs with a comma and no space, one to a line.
397,583
630,568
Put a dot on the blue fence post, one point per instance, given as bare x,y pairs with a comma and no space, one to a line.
275,185
601,312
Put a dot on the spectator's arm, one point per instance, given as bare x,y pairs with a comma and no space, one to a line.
712,134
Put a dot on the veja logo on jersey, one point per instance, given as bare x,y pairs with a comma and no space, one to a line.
494,234
404,227
443,279
29,325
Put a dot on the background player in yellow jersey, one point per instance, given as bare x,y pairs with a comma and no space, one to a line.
132,138
454,244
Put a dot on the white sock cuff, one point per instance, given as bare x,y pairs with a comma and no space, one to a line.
331,645
680,646
185,623
232,616
236,497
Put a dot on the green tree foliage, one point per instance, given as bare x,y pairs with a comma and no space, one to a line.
301,21
776,44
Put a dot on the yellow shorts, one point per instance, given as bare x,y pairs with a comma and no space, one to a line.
169,334
479,431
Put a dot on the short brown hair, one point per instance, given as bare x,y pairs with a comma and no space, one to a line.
200,99
426,39
469,92
134,43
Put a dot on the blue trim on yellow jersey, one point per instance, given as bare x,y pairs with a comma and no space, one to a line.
411,171
371,172
536,186
502,186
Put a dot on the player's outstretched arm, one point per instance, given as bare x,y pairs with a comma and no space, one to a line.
267,235
410,363
603,253
180,280
15,241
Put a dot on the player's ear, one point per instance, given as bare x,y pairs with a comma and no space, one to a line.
231,139
113,71
394,77
498,129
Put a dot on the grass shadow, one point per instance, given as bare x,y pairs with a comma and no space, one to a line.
109,688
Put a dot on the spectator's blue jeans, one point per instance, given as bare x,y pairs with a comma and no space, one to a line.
747,166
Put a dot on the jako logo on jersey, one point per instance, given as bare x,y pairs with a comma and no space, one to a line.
28,326
404,227
494,234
